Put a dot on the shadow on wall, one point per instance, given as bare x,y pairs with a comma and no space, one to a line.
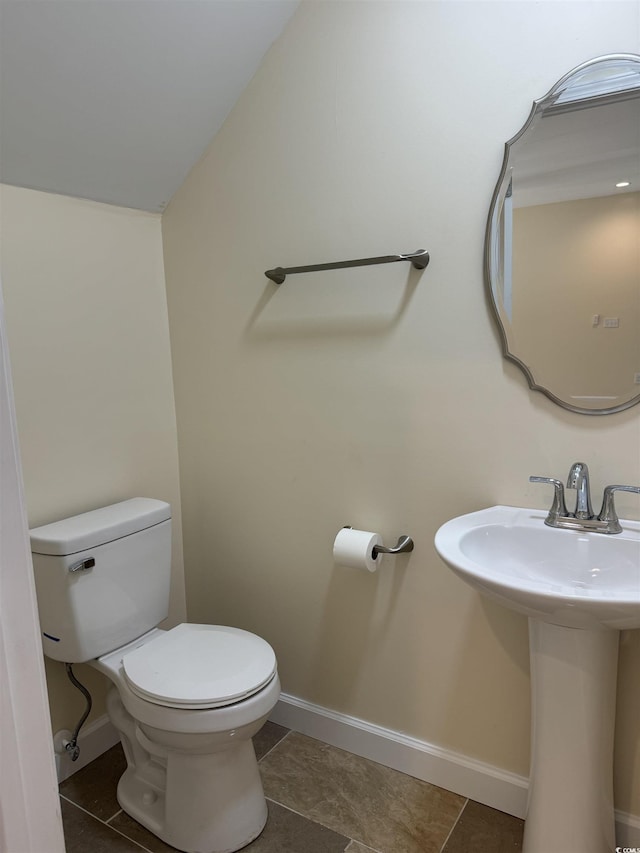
330,304
477,675
337,668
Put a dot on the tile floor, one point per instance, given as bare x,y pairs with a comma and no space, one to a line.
321,800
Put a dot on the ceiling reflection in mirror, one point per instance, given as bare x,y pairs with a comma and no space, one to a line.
562,254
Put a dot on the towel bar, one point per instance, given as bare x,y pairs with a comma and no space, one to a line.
419,260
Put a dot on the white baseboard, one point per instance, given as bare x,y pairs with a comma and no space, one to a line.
94,739
466,776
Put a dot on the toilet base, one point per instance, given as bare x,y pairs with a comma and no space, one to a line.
219,818
210,802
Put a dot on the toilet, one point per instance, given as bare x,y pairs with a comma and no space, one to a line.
186,701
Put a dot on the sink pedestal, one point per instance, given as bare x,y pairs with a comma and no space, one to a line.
573,687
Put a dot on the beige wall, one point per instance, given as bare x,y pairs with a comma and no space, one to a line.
376,397
87,327
590,265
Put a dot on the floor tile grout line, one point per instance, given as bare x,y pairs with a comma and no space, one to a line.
113,817
289,809
104,823
319,823
455,823
275,746
84,809
361,844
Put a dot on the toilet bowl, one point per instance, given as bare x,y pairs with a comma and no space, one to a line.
186,701
186,727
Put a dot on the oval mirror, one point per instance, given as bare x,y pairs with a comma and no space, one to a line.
562,249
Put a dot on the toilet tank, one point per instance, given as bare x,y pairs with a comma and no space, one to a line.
102,578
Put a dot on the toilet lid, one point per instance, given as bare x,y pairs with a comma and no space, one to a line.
200,666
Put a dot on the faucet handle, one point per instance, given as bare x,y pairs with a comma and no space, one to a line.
608,512
558,507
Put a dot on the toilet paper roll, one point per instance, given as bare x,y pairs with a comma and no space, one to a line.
354,548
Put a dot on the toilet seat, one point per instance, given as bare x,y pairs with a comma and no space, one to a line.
199,667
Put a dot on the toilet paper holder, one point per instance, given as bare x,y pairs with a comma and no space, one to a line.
403,546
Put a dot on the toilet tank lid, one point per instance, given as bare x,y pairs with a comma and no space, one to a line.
90,529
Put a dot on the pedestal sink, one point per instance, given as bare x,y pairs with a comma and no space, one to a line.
579,590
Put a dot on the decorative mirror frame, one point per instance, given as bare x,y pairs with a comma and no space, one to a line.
499,194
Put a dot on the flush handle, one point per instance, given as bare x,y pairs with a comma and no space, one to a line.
82,565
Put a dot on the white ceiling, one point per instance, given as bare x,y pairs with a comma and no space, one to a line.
116,100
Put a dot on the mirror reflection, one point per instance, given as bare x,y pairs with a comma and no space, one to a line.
563,240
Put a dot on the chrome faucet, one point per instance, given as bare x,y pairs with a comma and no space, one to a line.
583,518
608,514
578,479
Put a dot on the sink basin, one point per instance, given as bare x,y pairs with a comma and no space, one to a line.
566,577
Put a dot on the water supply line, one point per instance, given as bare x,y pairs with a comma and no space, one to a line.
71,746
